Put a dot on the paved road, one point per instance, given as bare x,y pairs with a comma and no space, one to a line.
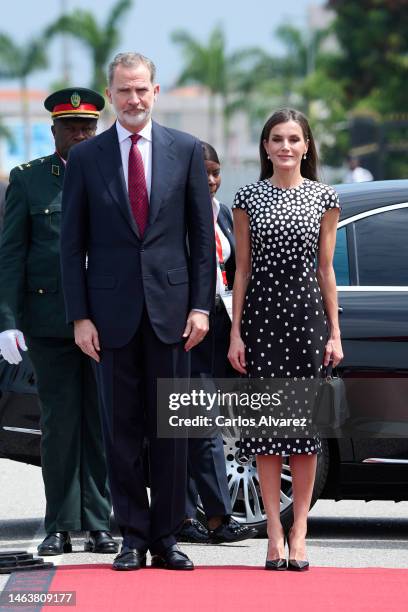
342,534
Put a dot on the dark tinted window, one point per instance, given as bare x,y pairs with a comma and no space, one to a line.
382,248
340,260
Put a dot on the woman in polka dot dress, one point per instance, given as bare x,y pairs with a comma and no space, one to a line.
285,315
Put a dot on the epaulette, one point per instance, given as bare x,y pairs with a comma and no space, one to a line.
34,163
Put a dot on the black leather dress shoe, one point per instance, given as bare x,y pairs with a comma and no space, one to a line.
293,564
172,558
55,543
100,542
231,531
298,566
193,531
276,564
129,559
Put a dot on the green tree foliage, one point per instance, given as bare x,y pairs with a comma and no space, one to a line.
208,64
101,40
204,64
19,62
373,62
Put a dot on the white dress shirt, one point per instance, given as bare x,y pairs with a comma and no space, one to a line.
358,175
144,145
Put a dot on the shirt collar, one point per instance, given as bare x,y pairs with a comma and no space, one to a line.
64,161
123,133
216,208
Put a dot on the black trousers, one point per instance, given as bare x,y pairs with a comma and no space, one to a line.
127,381
72,454
206,461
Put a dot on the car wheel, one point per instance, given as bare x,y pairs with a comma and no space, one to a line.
246,498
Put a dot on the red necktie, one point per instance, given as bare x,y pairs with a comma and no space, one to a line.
138,197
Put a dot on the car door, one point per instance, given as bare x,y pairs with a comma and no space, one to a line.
371,264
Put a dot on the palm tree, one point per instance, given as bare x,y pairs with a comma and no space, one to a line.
280,80
19,62
205,64
209,65
101,40
301,58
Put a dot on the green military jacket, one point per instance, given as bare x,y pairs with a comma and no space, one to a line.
31,296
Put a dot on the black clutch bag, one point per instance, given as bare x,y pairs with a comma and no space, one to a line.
330,409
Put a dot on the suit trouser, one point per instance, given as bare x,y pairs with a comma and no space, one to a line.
206,460
72,454
127,379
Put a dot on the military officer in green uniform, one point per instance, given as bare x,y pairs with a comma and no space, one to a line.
32,315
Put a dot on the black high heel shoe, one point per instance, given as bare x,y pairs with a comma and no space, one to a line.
293,564
277,565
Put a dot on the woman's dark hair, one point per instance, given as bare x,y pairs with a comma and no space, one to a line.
210,154
308,166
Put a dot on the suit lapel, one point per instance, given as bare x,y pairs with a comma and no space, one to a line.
110,165
225,227
225,224
163,159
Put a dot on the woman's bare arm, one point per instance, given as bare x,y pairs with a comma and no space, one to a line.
327,283
236,353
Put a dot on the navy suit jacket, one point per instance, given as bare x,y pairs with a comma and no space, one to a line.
109,273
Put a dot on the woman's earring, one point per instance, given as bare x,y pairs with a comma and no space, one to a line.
268,157
304,155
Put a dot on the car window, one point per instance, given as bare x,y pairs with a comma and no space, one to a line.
340,259
382,248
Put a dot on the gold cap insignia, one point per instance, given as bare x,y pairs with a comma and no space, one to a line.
75,99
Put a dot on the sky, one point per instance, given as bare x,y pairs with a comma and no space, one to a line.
147,27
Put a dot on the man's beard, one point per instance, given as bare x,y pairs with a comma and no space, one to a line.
137,118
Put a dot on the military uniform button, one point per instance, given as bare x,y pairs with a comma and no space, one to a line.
46,211
41,291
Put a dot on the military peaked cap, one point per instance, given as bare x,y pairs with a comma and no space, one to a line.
74,102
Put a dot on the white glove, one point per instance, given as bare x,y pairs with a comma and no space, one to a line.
10,341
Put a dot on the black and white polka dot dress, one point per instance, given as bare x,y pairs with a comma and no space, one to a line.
283,325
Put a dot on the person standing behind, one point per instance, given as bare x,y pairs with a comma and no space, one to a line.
136,203
280,305
32,310
356,173
206,460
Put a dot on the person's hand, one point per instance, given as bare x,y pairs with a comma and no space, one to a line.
236,354
86,337
333,352
196,328
10,341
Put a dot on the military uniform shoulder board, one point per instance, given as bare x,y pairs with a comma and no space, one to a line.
32,163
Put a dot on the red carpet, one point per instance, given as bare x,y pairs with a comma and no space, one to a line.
221,589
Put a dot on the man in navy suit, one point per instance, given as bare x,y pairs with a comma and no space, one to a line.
138,262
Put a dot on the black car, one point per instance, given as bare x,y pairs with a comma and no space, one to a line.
371,462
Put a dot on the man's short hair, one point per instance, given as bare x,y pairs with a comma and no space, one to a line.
130,60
